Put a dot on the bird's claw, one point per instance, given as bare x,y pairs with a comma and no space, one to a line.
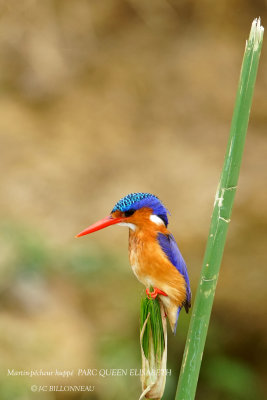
155,292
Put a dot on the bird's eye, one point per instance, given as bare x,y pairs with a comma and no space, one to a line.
129,213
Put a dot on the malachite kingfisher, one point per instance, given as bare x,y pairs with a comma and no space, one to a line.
154,255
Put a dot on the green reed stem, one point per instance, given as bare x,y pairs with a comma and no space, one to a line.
154,328
224,199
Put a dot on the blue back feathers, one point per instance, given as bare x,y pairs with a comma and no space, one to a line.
170,248
135,201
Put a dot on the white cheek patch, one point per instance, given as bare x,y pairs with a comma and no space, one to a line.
131,226
157,220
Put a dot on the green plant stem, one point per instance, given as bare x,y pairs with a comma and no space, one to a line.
224,199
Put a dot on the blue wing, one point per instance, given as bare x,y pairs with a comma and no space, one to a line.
170,248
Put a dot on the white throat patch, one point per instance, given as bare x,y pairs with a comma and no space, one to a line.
131,226
157,220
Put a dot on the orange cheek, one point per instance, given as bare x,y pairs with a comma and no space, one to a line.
140,217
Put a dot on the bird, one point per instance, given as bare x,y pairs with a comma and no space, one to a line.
154,255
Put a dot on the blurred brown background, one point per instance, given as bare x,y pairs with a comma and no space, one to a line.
100,99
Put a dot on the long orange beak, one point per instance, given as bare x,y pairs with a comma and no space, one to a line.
103,223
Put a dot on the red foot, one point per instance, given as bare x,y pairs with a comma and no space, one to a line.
155,292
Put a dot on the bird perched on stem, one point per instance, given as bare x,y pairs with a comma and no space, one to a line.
154,255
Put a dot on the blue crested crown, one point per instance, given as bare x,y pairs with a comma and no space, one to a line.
135,201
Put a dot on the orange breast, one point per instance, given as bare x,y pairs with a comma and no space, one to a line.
152,267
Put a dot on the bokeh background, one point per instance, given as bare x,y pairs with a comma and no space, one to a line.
100,99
